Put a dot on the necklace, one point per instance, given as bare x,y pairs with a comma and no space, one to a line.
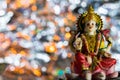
91,41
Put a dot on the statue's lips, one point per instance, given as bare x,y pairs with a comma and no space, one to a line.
90,27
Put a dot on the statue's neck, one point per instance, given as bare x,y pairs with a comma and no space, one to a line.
91,33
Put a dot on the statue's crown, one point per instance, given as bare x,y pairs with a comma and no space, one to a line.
91,15
90,10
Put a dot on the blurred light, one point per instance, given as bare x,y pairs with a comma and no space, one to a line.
43,57
43,33
80,10
113,13
18,55
59,44
34,64
118,32
22,52
2,12
64,3
34,17
11,27
44,69
57,9
60,73
67,29
32,56
102,10
22,64
37,72
56,38
38,36
16,63
10,13
50,49
1,60
43,22
113,29
34,8
72,7
20,71
26,13
84,4
26,22
59,21
25,3
67,35
38,46
50,31
64,54
74,1
26,44
12,68
118,41
117,57
9,60
112,6
67,70
77,1
103,18
71,1
65,43
51,24
69,55
32,27
49,38
3,4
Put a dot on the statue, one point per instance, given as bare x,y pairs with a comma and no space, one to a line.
92,60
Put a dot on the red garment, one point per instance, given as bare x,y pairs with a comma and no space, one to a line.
80,61
106,65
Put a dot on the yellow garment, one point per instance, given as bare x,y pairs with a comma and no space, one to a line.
102,44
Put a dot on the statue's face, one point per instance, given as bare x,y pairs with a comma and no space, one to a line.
90,26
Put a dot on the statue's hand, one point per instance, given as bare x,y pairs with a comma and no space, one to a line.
78,44
107,55
104,54
89,59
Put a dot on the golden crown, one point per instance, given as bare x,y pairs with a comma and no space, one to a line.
87,16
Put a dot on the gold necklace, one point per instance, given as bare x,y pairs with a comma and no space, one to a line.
91,41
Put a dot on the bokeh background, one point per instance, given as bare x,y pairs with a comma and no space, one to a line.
34,35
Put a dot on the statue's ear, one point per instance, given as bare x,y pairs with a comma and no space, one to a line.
98,26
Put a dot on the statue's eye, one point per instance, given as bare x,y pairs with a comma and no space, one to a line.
88,24
92,23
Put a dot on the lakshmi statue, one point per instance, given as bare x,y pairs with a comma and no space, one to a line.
91,45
